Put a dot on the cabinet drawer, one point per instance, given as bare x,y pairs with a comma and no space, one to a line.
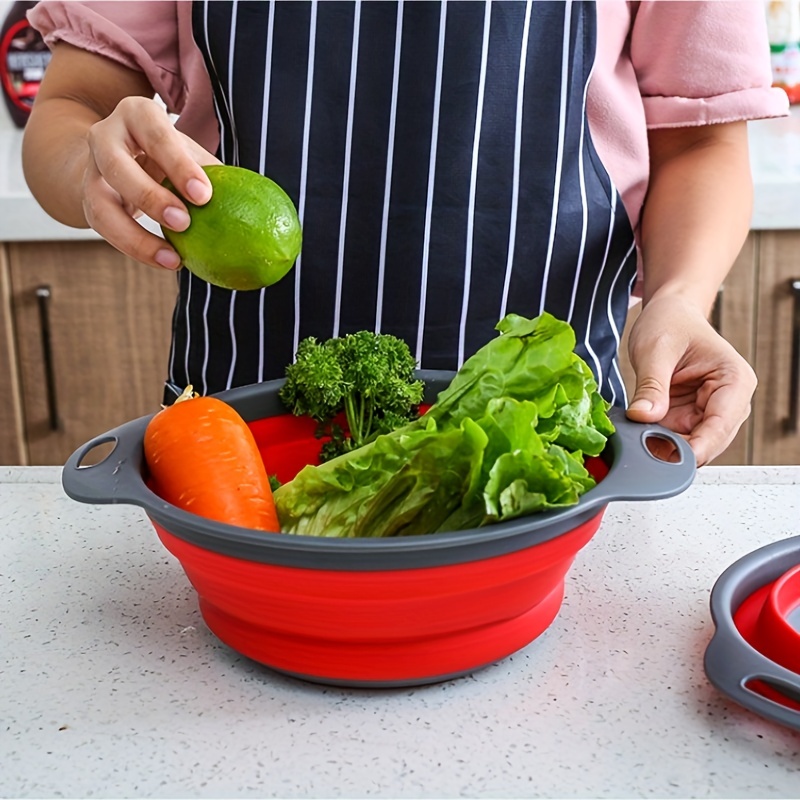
92,331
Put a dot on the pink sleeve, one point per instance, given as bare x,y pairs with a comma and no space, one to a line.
703,62
138,35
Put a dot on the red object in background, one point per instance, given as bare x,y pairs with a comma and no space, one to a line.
793,93
23,59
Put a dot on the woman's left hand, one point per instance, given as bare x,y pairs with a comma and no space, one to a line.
688,378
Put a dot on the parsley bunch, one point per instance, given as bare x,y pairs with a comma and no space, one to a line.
369,377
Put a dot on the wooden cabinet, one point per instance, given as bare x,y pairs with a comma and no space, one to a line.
776,424
84,336
758,312
12,438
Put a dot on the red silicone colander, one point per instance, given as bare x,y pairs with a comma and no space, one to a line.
754,655
376,612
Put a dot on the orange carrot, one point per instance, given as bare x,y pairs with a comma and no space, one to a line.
204,459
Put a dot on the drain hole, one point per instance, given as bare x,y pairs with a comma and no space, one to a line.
781,693
662,447
97,453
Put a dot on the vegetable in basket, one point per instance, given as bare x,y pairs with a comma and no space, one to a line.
203,458
367,376
507,437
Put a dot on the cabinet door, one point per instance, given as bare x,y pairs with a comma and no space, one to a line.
93,333
733,316
776,434
12,440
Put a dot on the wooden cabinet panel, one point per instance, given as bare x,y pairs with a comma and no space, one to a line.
12,440
109,320
734,318
779,265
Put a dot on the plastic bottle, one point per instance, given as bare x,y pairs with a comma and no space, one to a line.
783,25
23,59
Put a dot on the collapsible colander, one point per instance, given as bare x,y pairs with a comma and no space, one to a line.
375,611
754,655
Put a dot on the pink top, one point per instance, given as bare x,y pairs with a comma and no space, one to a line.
660,63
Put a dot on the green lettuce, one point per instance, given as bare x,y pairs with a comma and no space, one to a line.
506,438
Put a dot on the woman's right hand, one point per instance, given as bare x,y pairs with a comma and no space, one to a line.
96,148
130,152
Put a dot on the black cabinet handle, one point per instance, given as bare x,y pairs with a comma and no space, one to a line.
43,295
790,423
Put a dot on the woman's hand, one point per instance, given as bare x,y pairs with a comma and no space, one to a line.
688,378
130,153
96,148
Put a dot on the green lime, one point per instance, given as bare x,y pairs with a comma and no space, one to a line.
247,236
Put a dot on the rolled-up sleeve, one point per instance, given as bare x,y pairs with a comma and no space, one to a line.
700,63
141,36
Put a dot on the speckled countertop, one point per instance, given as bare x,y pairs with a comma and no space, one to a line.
112,686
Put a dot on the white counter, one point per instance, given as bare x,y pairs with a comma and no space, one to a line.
112,686
774,145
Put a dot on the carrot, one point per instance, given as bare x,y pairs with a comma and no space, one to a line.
204,459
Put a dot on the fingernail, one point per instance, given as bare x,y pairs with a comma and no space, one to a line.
641,405
197,191
176,218
167,258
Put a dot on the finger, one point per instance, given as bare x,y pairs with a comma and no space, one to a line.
650,400
199,153
106,214
711,437
137,188
179,157
727,409
118,141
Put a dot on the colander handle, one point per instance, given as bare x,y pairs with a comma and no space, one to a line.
636,474
115,479
732,665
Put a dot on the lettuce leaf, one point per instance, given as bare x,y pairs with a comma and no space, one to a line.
403,483
506,438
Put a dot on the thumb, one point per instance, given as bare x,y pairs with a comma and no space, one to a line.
650,401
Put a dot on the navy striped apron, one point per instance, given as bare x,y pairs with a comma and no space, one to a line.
439,157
